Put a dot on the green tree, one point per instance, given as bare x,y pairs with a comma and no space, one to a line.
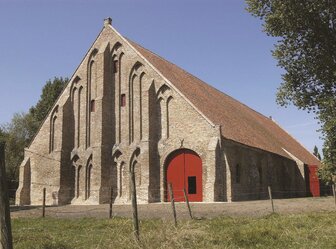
20,131
50,92
16,135
317,153
306,50
2,135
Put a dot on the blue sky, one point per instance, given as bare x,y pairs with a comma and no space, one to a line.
216,40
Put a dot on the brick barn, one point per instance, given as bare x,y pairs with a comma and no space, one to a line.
128,108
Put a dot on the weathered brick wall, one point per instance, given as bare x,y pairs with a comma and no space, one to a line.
260,169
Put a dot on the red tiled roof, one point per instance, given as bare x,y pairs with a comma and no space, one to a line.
238,122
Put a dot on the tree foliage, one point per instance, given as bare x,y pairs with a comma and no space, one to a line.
20,131
317,153
50,92
16,135
306,50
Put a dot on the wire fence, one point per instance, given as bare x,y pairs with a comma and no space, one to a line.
87,205
168,203
176,205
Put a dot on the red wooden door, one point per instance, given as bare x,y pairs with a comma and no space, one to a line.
184,171
314,183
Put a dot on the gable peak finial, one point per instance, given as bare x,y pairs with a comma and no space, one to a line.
107,21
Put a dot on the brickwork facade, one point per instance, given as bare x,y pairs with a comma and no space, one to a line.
117,112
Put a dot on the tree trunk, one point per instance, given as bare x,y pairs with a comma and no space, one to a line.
5,223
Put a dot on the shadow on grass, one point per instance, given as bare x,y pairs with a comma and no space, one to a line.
22,208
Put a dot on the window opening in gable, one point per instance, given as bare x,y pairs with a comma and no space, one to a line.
123,100
115,66
92,106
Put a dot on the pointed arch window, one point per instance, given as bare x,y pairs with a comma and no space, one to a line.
75,113
79,116
165,98
91,93
53,144
53,129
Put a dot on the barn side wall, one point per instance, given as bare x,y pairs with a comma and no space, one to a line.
253,170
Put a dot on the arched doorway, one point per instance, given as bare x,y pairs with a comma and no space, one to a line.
184,171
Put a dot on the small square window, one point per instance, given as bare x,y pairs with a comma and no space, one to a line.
191,184
92,105
123,100
115,66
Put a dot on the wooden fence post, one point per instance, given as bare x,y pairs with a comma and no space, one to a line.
134,204
111,200
171,194
334,192
270,196
6,241
187,201
43,202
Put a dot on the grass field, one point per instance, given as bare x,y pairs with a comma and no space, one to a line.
314,230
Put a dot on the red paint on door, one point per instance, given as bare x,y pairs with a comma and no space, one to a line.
314,182
184,170
175,173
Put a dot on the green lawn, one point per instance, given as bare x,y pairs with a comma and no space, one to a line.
316,230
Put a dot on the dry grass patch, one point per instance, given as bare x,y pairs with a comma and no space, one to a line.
315,230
